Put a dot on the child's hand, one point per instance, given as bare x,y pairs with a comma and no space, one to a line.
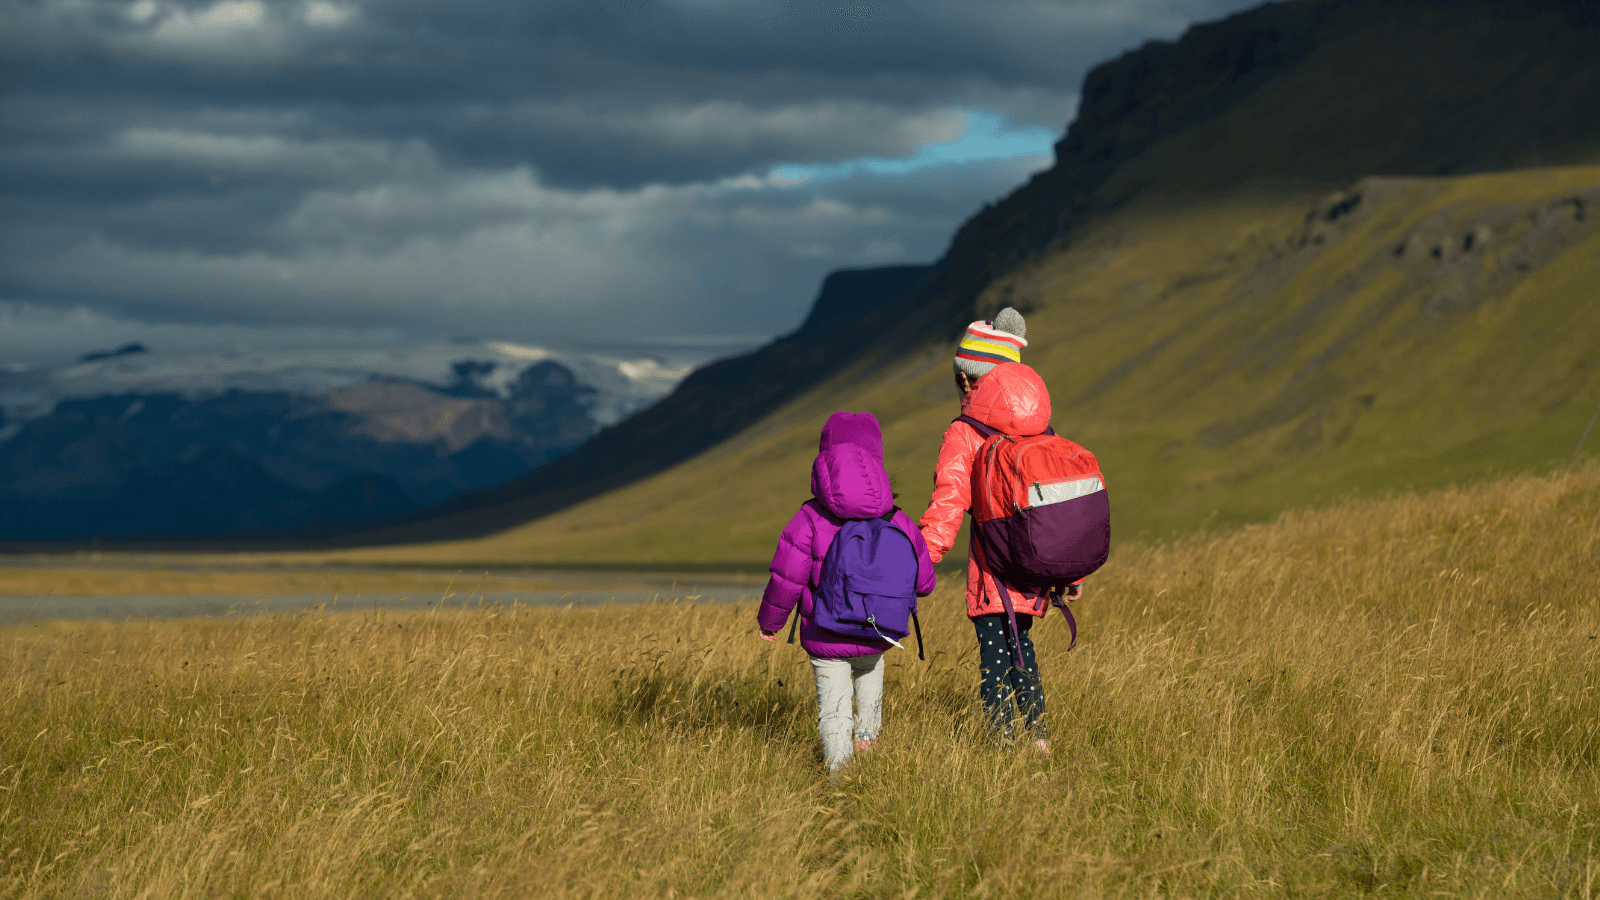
768,635
1074,591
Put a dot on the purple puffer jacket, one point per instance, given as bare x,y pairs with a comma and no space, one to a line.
848,481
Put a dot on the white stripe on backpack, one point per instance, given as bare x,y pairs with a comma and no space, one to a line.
1046,494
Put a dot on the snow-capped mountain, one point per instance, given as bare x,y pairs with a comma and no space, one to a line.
140,443
622,386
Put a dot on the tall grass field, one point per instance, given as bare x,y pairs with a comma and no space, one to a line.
1392,697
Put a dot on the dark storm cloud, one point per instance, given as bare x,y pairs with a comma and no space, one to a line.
489,166
633,94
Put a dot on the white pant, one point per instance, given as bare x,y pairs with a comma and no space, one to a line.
837,681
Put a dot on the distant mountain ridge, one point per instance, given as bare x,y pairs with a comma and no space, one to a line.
134,443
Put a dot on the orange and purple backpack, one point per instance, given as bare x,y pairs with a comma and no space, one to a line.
1041,516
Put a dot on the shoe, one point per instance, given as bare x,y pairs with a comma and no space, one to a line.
1043,746
865,746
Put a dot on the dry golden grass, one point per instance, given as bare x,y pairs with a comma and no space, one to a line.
1394,698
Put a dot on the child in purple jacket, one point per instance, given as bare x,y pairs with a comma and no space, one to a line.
848,481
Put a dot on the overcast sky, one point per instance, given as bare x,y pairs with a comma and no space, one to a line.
660,172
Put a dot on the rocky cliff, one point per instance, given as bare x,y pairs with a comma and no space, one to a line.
1300,98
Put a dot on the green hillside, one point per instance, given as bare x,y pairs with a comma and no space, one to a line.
1227,360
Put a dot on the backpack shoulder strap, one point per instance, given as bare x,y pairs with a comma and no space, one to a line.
822,510
985,430
988,431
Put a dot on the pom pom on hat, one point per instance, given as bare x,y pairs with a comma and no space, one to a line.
1009,320
987,344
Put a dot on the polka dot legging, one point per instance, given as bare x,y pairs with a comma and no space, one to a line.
1000,683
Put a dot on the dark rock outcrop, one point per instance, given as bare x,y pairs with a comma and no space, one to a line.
1303,96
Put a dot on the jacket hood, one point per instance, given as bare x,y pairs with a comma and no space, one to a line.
861,429
1012,398
847,476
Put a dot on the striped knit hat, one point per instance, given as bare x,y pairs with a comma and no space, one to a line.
987,344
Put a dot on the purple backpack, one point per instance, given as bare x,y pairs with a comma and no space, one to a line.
868,586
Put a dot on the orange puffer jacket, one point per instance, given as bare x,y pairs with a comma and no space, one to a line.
1012,398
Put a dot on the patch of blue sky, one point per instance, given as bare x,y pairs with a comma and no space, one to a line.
988,136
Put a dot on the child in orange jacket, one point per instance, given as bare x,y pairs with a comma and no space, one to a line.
1001,392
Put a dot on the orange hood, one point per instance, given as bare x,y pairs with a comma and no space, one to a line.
1012,398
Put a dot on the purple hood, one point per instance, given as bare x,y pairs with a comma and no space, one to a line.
847,476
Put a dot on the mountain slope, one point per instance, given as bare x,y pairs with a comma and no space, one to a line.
1225,361
1227,342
